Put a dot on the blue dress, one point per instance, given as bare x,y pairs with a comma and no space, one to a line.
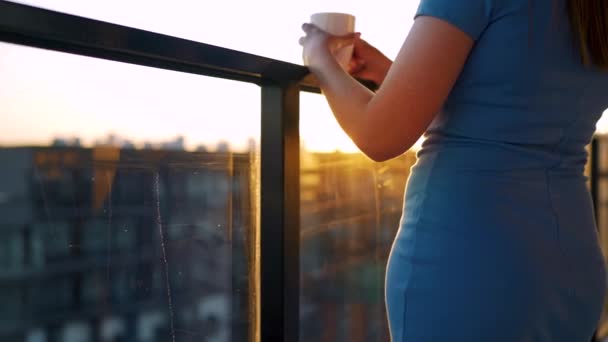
497,241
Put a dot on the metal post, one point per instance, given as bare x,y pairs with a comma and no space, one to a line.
594,185
280,214
594,177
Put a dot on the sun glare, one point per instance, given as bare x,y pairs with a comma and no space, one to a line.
158,105
319,129
77,95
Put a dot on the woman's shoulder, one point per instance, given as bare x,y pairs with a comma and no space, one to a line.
474,16
470,16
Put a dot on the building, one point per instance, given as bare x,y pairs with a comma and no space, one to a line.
106,244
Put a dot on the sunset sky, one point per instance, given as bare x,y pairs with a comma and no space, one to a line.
46,94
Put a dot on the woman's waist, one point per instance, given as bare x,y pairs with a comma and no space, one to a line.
496,194
435,172
495,198
500,207
462,153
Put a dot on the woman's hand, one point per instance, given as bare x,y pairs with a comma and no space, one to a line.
368,63
319,46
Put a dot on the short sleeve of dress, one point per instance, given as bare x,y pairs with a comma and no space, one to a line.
470,16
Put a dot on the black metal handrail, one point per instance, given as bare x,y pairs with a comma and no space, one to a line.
32,26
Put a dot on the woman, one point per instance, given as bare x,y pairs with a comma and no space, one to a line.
497,240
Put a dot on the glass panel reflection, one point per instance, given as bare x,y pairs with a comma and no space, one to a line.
350,209
128,236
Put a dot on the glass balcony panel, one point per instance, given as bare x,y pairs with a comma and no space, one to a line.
350,209
127,201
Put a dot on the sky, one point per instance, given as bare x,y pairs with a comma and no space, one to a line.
45,94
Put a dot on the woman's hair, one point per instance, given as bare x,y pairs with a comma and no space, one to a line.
589,21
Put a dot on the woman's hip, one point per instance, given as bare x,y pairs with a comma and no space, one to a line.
472,289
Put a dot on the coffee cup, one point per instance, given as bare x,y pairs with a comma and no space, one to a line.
337,24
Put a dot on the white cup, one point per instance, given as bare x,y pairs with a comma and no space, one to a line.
338,24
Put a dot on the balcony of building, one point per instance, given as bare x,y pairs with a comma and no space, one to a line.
146,218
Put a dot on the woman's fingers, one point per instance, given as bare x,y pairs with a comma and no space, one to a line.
355,66
309,28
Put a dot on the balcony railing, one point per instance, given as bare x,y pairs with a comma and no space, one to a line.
281,83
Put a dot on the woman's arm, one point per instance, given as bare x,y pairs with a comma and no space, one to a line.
386,124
